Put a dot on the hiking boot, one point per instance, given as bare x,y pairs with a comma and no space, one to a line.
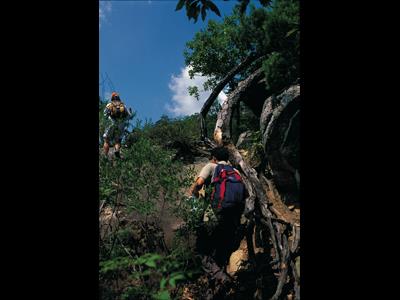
216,272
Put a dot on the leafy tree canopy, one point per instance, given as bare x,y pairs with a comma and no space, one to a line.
272,31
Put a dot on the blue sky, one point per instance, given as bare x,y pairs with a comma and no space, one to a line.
141,49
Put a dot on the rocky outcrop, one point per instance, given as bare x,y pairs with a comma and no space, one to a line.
238,259
280,127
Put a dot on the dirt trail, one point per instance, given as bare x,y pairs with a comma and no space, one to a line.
169,223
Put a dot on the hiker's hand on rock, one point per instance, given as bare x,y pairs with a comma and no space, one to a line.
193,191
194,194
189,193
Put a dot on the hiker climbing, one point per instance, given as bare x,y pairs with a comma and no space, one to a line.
119,116
227,202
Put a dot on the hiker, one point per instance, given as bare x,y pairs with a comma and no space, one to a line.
227,201
119,115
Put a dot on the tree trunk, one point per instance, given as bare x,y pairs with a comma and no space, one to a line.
223,128
209,102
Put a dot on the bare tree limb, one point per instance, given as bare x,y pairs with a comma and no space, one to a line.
285,254
224,120
218,88
296,281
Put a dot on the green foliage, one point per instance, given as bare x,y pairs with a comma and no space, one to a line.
183,130
156,276
145,178
214,51
248,121
145,175
195,7
162,295
149,260
277,70
194,92
168,130
115,264
272,31
282,36
191,210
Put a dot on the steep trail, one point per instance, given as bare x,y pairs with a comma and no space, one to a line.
168,221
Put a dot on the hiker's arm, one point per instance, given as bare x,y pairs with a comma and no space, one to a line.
107,112
205,173
130,113
196,186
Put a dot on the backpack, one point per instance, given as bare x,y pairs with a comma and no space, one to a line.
117,109
228,188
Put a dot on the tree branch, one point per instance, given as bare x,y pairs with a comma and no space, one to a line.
223,130
218,88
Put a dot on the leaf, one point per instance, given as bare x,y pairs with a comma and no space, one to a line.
151,263
291,32
135,275
188,14
148,259
203,12
213,7
146,273
140,261
196,13
163,283
243,6
162,295
180,5
192,10
173,279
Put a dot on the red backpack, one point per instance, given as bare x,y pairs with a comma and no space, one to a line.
228,188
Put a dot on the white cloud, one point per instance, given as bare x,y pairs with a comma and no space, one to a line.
182,103
105,8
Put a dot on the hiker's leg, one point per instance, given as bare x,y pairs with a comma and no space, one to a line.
117,147
233,223
119,134
106,147
203,241
116,152
229,222
238,228
237,215
222,238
